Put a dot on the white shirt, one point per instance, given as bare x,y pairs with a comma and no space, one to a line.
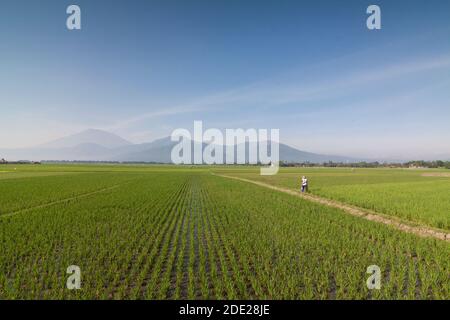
304,182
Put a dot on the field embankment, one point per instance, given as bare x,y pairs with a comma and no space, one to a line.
422,231
398,193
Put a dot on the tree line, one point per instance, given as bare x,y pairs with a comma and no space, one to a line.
410,164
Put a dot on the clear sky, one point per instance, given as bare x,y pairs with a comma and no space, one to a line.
310,68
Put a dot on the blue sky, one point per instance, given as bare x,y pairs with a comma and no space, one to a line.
310,68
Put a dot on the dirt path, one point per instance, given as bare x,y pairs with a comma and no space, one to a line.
84,195
422,231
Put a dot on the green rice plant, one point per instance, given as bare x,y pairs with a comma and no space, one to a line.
178,233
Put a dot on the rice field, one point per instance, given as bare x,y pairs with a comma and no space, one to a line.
165,232
418,196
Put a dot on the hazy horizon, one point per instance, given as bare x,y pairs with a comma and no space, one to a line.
141,69
113,141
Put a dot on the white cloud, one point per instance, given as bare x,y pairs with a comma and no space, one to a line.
270,94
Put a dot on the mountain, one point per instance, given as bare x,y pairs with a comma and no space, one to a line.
90,136
160,151
157,151
83,152
290,154
87,145
97,145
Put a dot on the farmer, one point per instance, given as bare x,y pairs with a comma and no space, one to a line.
304,184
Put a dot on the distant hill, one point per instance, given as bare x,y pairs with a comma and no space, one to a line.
91,136
160,151
97,145
290,154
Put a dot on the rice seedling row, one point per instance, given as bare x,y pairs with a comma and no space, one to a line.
191,235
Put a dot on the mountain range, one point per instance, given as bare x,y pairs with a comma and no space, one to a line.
98,145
